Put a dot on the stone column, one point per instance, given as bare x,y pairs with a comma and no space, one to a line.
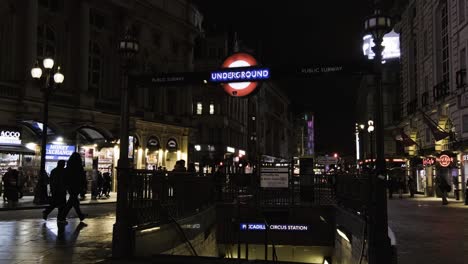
84,37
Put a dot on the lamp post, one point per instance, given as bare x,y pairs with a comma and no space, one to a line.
121,242
40,193
378,25
370,130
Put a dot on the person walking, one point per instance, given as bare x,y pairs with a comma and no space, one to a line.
59,192
411,185
443,187
75,181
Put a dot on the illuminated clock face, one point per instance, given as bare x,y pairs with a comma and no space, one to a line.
239,89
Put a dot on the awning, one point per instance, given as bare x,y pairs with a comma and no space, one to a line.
16,149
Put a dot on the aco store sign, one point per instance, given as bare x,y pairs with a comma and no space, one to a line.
10,137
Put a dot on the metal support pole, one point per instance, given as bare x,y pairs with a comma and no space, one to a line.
121,239
379,243
40,195
371,134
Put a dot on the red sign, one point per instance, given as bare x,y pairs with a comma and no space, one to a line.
428,161
237,60
445,160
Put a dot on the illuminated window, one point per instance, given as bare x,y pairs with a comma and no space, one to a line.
212,109
199,108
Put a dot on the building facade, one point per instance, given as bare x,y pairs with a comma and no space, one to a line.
304,132
82,37
434,39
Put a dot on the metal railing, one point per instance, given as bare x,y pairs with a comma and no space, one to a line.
319,190
441,90
158,197
352,192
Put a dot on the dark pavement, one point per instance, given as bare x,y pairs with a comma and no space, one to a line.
26,202
428,232
26,238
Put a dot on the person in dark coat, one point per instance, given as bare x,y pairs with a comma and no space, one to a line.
106,186
443,187
411,185
58,190
11,185
75,180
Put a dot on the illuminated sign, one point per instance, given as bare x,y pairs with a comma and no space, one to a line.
10,137
230,149
428,161
391,43
153,144
445,160
59,152
260,227
243,85
240,75
274,177
171,144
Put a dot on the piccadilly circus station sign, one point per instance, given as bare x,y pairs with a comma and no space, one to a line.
239,75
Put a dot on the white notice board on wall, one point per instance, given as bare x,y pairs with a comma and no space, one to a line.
274,177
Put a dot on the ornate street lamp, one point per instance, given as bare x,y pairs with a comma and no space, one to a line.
40,193
378,25
370,130
121,240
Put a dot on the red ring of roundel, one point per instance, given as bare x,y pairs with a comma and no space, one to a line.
251,87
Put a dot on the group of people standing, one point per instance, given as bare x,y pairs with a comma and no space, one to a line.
70,179
101,185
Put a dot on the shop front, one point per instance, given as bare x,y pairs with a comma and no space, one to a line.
447,168
426,179
18,155
153,153
464,172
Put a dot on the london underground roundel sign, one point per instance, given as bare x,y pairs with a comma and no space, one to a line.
242,87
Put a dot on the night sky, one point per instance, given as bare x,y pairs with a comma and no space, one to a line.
300,33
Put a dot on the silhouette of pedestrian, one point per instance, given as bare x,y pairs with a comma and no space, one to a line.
75,180
106,187
58,190
11,185
191,168
443,187
411,185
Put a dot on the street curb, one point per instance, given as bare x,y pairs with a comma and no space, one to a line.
44,206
